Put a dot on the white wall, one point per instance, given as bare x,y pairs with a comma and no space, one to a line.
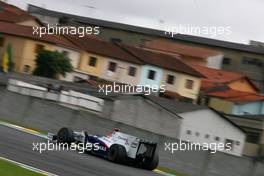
71,97
215,61
206,121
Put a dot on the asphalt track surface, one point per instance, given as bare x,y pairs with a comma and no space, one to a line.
17,146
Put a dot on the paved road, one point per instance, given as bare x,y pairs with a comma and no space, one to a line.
17,146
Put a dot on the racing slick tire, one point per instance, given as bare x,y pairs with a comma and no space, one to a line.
65,135
153,164
117,153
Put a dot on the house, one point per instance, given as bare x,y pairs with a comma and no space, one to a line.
25,46
214,78
201,124
189,54
236,102
13,14
168,71
100,59
254,127
241,58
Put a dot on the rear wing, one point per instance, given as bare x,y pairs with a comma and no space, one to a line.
147,149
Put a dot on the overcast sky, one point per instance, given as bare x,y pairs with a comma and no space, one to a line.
245,17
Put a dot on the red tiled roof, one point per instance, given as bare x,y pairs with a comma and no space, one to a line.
91,44
217,78
27,32
236,96
161,60
181,49
13,14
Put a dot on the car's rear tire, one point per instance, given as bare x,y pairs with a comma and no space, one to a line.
65,135
151,165
117,153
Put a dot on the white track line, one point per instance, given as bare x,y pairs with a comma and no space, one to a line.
28,167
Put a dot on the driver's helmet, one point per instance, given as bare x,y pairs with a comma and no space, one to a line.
116,130
113,132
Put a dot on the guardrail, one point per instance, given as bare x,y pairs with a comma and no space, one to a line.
67,97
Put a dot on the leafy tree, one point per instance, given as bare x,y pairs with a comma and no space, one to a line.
51,64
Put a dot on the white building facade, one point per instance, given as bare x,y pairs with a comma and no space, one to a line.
207,126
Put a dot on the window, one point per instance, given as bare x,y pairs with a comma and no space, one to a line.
188,132
132,71
207,136
217,138
170,79
151,74
252,61
229,143
66,53
116,40
189,84
226,61
253,137
2,42
26,69
39,48
92,61
112,66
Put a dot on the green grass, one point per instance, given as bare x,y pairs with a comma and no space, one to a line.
9,169
171,171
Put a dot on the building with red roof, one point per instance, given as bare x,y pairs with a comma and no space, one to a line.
214,78
13,14
189,54
236,102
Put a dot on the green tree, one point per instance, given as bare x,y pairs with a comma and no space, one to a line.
51,64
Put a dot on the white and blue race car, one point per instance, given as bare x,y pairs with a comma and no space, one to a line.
117,147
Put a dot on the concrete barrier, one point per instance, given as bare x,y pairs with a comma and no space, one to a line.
67,97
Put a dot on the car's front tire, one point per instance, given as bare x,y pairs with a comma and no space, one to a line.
65,135
117,153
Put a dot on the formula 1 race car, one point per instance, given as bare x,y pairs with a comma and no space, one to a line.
117,147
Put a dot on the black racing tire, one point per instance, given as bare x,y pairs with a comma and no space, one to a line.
151,165
117,153
65,135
